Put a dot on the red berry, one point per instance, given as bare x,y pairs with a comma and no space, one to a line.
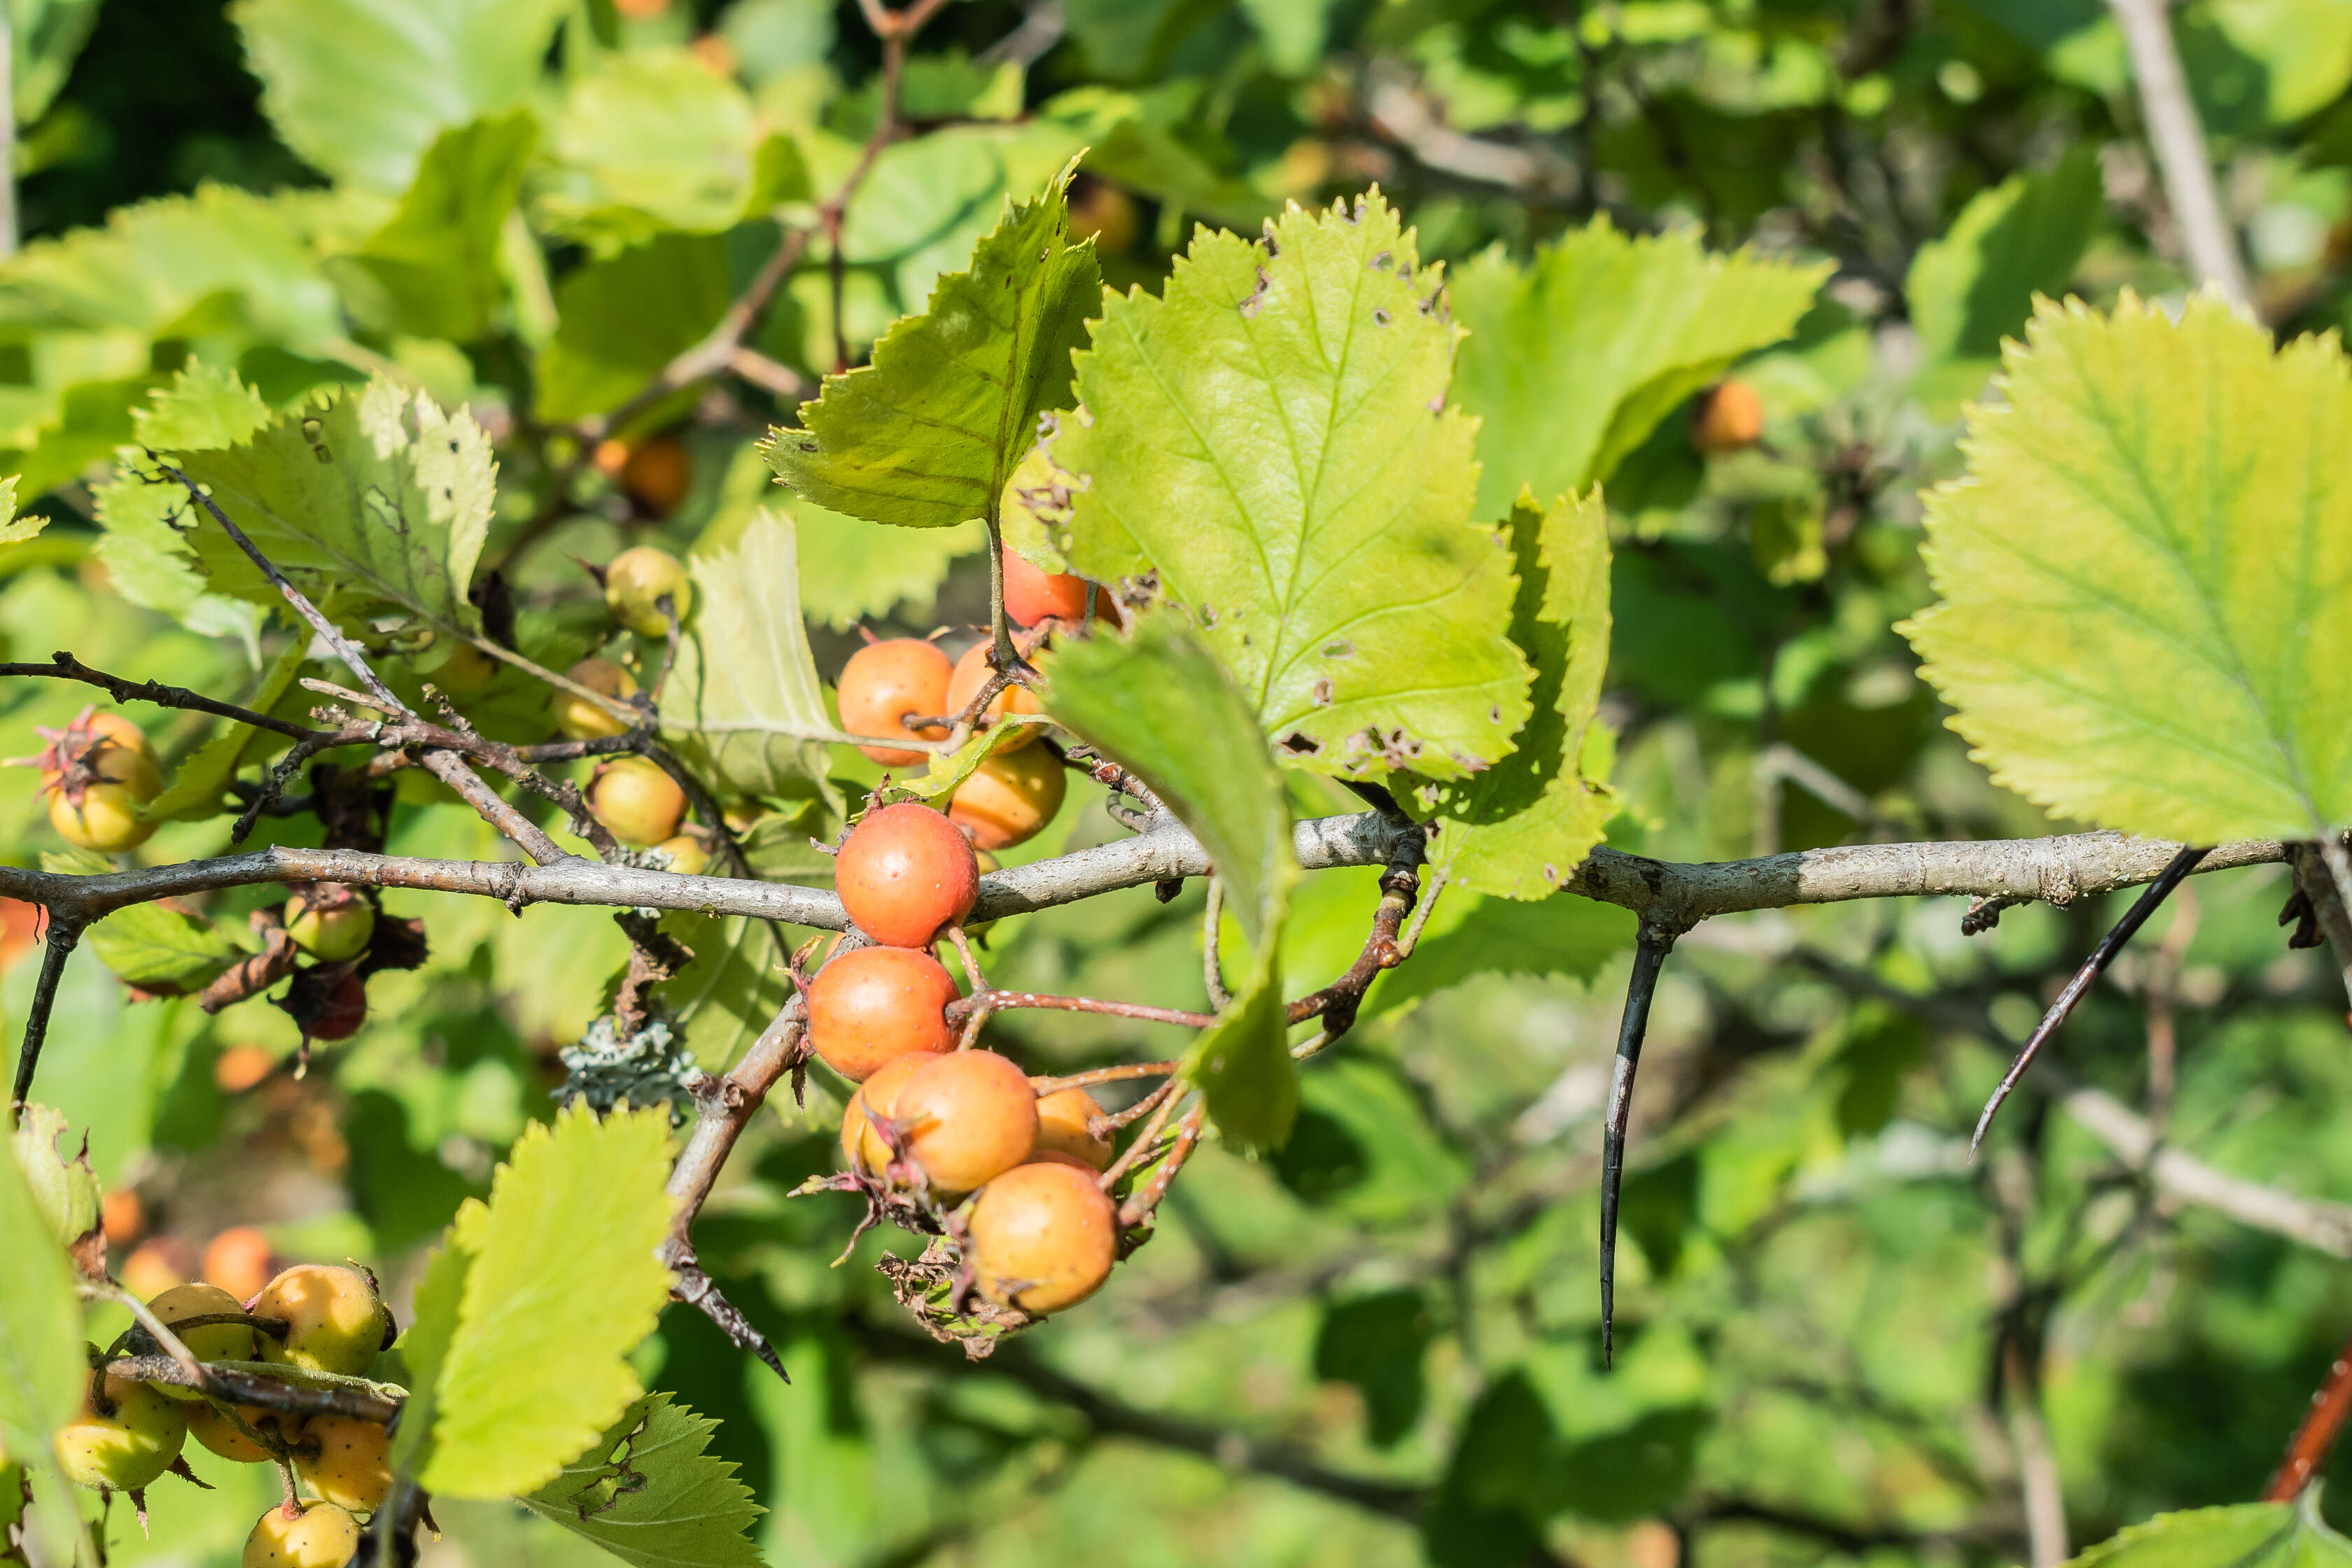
972,672
871,1006
1031,596
346,1011
905,872
885,681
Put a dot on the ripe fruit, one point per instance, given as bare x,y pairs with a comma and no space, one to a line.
213,1342
302,1535
346,1011
656,474
637,801
1062,1128
123,1216
635,582
329,922
687,857
94,799
1730,416
585,721
335,1320
1043,1236
1031,596
861,1146
239,1261
967,1117
352,1466
1009,798
903,873
873,1005
885,681
972,672
126,1446
218,1432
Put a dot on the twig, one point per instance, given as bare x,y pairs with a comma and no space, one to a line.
2315,1434
1166,1098
2178,138
2037,1466
63,934
1652,944
1094,1075
66,666
1213,975
1139,1207
271,1387
1004,1001
2093,967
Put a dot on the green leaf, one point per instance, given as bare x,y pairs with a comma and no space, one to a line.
200,785
942,775
732,989
433,1325
151,562
2146,577
161,949
564,1284
1975,286
373,497
927,433
1160,706
1564,934
621,320
63,1188
1377,1342
14,530
852,569
1270,436
744,702
41,1360
651,141
361,88
2249,1535
1520,828
649,1492
433,270
1574,359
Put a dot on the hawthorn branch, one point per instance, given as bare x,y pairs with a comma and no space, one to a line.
2178,138
1652,944
236,1384
63,934
2315,1434
63,665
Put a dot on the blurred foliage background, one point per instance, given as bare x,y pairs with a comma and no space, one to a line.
1839,1339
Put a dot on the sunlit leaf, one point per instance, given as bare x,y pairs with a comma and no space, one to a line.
1975,285
622,318
41,1362
433,270
1270,436
649,1492
53,1162
163,950
2146,577
2249,1535
649,142
432,1326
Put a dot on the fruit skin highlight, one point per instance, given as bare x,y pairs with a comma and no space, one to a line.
1009,798
1043,1236
871,1006
126,1447
1062,1121
312,1535
582,720
966,1118
641,804
336,1321
883,683
213,1342
635,582
905,873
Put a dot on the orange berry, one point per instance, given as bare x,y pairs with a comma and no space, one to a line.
1062,1121
1043,1236
1032,596
239,1261
883,683
972,672
872,1004
585,721
967,1117
638,801
223,1436
861,1146
1730,416
903,873
1011,797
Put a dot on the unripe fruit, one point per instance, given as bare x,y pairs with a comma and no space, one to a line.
346,1011
1031,596
219,1434
861,1146
637,801
105,819
126,1447
1062,1121
467,670
1104,213
635,582
966,1118
903,873
687,857
302,1535
1043,1236
335,1322
239,1260
885,681
352,1466
972,672
328,926
1730,416
1009,798
118,729
155,1265
585,721
873,1005
213,1342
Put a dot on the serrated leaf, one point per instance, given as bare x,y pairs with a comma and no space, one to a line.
650,141
620,319
41,1359
744,700
2146,577
942,775
564,1284
53,1162
424,1344
14,530
1564,934
852,569
1975,286
649,1492
200,785
371,497
927,435
2250,1535
733,988
149,560
1519,828
361,88
1160,705
162,951
433,270
1575,358
1270,436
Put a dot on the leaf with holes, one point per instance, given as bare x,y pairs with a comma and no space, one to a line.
651,1493
2146,577
1271,438
927,435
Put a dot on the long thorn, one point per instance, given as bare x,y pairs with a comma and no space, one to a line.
63,935
1650,949
2093,967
